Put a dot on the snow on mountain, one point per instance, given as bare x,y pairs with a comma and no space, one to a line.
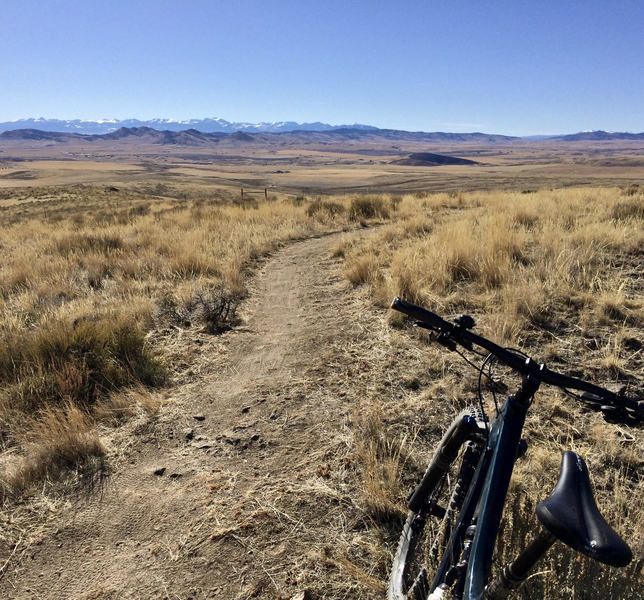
207,125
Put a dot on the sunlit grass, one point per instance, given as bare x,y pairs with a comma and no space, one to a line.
557,273
81,292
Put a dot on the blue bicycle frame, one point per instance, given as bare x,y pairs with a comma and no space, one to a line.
483,506
467,558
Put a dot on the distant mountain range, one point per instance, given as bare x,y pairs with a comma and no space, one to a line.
205,131
214,125
193,137
600,135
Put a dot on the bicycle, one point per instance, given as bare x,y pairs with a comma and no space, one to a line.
448,539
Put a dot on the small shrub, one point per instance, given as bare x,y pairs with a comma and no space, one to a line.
215,307
324,208
633,208
368,207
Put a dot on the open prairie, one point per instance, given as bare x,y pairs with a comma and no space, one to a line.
203,394
307,164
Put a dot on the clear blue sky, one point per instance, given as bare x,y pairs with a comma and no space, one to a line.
500,66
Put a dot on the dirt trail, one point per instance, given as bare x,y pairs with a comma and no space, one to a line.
241,499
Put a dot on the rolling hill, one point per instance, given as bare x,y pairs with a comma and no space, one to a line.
193,137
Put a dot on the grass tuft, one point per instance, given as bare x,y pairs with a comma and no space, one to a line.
368,207
61,445
78,361
324,209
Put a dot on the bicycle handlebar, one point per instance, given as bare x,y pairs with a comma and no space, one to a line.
459,333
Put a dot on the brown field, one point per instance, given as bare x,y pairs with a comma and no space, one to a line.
203,395
316,168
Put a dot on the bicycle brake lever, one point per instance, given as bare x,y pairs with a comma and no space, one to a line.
615,414
612,413
444,339
441,337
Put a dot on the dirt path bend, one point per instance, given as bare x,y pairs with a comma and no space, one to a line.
229,494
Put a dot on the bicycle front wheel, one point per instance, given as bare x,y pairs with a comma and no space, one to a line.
425,537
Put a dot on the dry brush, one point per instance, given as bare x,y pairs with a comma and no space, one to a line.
93,282
556,273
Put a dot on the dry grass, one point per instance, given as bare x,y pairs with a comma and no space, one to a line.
61,444
382,459
557,273
92,280
516,257
88,274
369,207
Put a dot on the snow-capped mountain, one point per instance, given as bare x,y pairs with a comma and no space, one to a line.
208,125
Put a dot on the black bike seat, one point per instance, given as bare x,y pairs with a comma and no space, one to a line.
571,515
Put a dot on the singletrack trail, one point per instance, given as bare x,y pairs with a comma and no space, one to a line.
238,500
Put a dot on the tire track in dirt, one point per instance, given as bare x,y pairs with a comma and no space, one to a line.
213,525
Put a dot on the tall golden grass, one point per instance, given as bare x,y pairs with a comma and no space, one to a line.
87,282
557,273
80,291
515,256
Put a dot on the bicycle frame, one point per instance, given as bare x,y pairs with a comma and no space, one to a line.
467,556
484,503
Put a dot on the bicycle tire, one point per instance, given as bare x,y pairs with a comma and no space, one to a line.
425,534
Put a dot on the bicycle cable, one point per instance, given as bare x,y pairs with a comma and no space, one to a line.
490,360
490,363
480,397
481,373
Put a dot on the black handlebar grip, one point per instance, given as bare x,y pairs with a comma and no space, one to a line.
421,314
518,362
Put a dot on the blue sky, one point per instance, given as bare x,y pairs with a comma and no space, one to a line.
504,66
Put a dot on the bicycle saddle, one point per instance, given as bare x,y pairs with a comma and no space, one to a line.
571,515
